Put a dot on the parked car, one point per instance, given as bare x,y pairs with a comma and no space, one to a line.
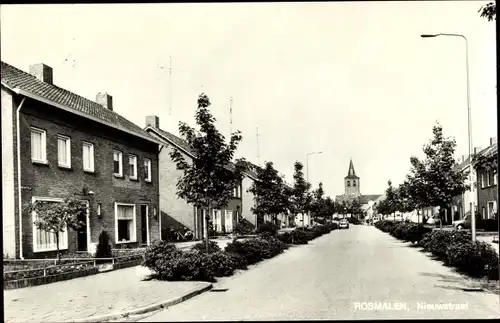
465,223
343,224
375,219
435,219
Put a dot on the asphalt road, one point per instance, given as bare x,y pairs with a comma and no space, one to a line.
346,274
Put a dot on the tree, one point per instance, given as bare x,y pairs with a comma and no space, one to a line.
416,185
354,207
489,11
57,217
301,197
330,206
208,181
391,199
318,205
269,193
443,179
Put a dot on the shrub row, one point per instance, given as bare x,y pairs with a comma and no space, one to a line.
454,248
304,235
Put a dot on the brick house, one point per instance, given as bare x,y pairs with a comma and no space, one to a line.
487,189
177,213
56,143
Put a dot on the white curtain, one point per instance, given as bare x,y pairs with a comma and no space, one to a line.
125,212
62,151
36,145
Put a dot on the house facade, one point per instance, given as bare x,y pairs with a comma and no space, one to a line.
57,144
176,212
487,188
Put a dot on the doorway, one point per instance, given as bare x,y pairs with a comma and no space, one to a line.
144,225
83,233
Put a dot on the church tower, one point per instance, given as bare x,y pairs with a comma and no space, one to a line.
351,182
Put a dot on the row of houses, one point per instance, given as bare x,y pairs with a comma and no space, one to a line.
56,143
484,191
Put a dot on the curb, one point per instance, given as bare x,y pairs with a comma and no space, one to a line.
146,309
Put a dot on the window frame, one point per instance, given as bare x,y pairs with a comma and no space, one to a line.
483,179
489,176
120,163
68,151
133,157
43,145
488,214
134,233
92,161
147,165
63,236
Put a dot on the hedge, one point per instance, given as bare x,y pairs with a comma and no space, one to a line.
454,248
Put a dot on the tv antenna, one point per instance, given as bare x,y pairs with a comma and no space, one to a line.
230,116
258,153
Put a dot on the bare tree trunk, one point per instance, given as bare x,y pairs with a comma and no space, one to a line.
207,239
58,251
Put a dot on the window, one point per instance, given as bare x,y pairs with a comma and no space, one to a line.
88,157
237,191
484,212
46,241
98,209
63,151
348,183
147,169
117,163
483,180
354,183
495,179
125,223
132,161
38,146
492,209
489,175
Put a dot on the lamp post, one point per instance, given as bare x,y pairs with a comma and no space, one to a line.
472,212
307,175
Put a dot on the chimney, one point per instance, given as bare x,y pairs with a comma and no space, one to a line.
477,150
42,72
493,141
105,100
153,121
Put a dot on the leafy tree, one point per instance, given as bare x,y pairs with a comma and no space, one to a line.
330,206
391,199
301,197
269,193
489,11
354,207
416,185
57,217
443,179
208,181
382,207
318,205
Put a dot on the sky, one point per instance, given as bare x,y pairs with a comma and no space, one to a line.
350,79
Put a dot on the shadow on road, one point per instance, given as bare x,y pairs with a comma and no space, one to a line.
467,284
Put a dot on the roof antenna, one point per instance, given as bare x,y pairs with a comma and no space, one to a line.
170,86
230,116
258,153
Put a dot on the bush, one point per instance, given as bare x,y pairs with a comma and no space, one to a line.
267,227
159,250
103,246
354,221
384,225
440,240
186,266
255,250
242,228
477,259
299,236
491,225
202,247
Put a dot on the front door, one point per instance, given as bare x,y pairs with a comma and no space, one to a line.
144,224
82,232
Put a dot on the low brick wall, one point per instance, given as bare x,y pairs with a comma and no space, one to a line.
127,264
35,281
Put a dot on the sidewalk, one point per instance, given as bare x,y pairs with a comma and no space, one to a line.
114,292
490,241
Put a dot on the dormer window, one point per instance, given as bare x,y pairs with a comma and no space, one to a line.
348,183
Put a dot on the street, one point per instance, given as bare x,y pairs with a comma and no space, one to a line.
335,277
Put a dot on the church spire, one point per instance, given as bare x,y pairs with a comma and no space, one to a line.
351,171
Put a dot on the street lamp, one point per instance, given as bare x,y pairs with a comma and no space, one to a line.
472,212
307,175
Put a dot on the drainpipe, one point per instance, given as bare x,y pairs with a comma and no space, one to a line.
19,180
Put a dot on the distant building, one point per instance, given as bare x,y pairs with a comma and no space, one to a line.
487,190
352,190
